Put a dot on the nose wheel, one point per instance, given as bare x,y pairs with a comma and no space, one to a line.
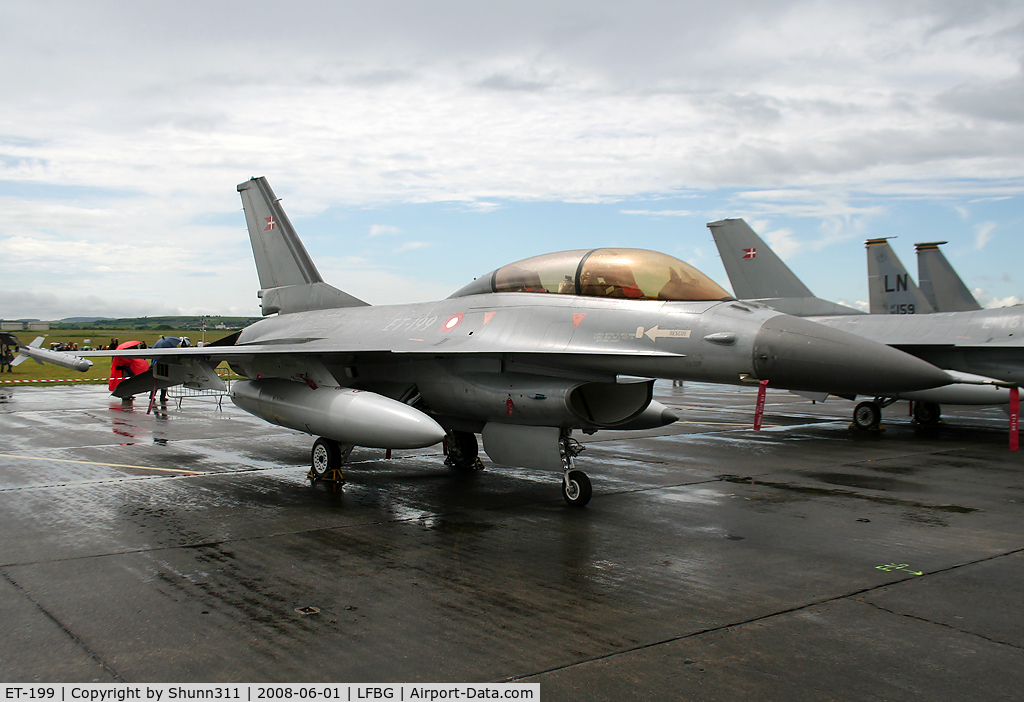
576,489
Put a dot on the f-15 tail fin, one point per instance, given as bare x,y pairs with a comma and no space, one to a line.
289,280
891,290
939,282
757,273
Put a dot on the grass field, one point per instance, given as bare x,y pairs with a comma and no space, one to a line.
31,373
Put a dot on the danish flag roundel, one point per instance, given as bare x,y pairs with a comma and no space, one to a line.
452,322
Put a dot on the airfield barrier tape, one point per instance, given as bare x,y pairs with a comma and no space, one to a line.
70,380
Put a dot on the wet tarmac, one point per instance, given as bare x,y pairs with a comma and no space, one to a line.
802,562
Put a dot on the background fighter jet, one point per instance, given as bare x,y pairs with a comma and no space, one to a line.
982,349
891,290
523,355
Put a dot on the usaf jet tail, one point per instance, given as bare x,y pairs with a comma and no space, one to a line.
289,280
939,282
756,273
891,290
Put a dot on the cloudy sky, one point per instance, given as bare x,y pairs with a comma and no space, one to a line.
419,144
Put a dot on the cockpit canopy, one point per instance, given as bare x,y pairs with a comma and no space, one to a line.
617,273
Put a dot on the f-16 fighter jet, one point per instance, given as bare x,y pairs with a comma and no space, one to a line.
523,356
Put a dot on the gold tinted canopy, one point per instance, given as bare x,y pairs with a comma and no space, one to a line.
635,274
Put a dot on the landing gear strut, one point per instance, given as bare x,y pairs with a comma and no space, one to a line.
576,488
326,460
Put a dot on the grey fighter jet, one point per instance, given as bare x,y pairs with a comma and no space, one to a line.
523,355
982,349
891,290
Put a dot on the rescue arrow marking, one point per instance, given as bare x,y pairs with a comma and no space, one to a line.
655,332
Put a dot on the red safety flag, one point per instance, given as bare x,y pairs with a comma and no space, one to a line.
762,387
1014,417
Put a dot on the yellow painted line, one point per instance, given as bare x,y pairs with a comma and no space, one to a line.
111,465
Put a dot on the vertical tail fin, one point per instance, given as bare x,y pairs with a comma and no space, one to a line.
939,282
891,290
757,273
289,280
754,270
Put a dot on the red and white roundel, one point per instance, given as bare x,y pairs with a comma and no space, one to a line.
452,322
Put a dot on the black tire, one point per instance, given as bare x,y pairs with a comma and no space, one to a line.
576,491
867,416
325,457
927,413
462,450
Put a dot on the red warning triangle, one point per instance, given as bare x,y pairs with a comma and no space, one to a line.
577,317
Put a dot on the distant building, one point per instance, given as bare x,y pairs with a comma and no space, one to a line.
11,326
38,326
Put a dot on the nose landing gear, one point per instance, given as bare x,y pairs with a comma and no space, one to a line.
576,488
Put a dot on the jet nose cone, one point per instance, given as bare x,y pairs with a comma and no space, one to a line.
798,354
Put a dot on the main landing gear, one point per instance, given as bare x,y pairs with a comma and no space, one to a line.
462,451
927,413
326,460
867,416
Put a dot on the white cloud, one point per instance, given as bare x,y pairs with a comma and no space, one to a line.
983,234
658,213
989,302
383,229
413,246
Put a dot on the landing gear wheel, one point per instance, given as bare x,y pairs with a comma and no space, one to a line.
462,451
326,456
576,489
867,416
927,413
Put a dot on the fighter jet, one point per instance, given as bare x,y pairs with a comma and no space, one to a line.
983,349
40,355
523,355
